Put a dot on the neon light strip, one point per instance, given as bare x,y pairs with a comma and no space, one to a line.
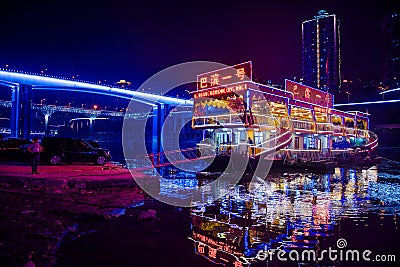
270,140
389,91
302,121
308,103
285,143
8,83
300,150
367,103
223,86
47,83
359,113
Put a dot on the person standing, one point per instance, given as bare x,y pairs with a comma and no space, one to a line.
35,149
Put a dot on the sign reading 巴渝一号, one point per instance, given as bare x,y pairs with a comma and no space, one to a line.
309,94
228,75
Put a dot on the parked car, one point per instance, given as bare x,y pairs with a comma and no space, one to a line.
60,149
93,143
14,148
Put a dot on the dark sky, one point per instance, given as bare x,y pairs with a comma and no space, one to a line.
133,40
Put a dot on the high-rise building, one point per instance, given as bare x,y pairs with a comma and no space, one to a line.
391,29
321,52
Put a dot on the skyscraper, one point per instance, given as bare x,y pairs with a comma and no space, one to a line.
321,52
391,28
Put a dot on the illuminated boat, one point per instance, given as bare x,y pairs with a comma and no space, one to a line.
292,127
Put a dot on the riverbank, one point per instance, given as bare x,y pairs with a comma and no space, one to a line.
39,212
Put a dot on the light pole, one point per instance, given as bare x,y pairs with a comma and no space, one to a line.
348,96
69,104
42,101
95,107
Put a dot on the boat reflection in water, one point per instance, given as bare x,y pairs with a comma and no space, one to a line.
288,212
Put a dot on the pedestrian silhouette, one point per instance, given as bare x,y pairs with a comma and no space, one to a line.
35,149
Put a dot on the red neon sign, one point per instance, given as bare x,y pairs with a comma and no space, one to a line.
309,94
225,76
220,91
323,110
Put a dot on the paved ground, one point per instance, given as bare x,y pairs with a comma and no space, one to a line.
72,175
39,211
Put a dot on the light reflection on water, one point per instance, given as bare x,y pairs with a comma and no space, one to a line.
290,212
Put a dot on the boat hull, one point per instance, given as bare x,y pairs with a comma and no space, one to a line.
221,163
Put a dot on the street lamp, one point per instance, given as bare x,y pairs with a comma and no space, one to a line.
69,104
95,107
83,105
42,100
348,96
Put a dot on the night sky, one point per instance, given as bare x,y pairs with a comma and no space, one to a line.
112,40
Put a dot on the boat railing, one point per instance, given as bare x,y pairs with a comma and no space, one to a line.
234,119
373,141
362,133
350,131
303,125
273,144
224,119
337,129
265,120
166,158
324,127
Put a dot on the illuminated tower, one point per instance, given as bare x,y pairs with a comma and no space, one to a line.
321,52
391,28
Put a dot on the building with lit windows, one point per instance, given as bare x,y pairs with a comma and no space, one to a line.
321,52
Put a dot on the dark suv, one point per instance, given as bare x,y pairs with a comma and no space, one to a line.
60,149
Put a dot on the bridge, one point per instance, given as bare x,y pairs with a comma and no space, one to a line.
90,114
22,84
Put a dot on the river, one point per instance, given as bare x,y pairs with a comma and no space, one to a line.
290,214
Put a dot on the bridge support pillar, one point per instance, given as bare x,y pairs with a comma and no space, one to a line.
46,122
21,114
91,126
160,112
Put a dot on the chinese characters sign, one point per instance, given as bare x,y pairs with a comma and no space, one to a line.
225,76
309,94
221,90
